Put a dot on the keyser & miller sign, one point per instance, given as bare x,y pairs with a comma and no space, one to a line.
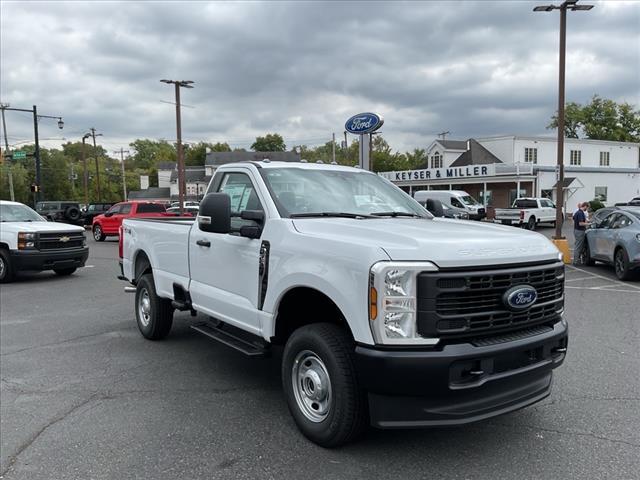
441,173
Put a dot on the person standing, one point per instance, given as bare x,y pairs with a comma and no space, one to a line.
580,224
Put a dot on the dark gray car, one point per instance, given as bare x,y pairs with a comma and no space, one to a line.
616,240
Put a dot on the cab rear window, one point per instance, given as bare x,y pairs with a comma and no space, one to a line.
150,208
526,204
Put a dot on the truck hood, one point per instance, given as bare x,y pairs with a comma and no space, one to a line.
447,243
40,227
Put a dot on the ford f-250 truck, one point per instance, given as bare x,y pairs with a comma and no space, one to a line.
528,213
387,315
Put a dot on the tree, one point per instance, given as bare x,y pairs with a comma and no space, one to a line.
196,154
271,142
601,119
148,153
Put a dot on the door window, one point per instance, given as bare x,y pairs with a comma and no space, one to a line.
621,221
124,209
114,209
456,203
243,197
610,220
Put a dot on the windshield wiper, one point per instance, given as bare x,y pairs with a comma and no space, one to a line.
395,214
329,214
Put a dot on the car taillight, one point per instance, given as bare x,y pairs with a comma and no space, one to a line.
521,214
120,240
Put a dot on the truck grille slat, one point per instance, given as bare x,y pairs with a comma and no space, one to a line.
459,304
60,240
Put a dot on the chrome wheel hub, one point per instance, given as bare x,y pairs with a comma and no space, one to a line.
144,307
97,233
311,386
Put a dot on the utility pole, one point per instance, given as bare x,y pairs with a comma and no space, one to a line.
6,152
124,183
333,148
37,195
94,135
73,182
85,175
560,241
181,182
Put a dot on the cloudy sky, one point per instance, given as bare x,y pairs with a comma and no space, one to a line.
302,68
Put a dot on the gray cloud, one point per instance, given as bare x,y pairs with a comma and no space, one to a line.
302,68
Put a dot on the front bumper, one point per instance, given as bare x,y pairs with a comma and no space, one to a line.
461,383
37,260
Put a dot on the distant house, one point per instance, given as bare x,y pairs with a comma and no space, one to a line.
155,194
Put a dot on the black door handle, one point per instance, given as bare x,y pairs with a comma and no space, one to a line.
204,243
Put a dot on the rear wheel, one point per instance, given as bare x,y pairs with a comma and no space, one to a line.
98,234
6,273
621,264
154,315
321,385
63,272
531,223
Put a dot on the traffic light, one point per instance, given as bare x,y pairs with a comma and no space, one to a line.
35,188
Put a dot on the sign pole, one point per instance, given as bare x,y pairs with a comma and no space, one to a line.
365,161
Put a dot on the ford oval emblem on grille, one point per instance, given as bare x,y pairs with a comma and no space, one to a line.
520,297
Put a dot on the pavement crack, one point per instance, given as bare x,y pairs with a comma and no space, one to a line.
31,440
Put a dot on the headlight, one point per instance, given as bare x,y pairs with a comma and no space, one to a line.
393,302
26,240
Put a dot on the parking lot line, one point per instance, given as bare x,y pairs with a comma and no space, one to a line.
603,288
617,282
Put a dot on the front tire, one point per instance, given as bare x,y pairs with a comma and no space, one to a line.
154,315
64,272
6,272
321,385
98,234
588,260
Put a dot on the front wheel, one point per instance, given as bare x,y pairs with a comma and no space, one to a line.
154,315
63,272
586,253
321,386
6,273
98,234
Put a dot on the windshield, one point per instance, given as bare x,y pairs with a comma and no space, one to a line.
18,213
469,200
303,192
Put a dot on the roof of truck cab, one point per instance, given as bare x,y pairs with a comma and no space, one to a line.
301,165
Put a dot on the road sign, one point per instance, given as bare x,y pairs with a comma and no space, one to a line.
19,155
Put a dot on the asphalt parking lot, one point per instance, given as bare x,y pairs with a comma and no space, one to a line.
84,396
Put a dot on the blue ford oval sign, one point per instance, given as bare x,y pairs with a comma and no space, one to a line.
364,123
520,297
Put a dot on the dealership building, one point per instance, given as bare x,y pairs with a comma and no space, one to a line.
496,170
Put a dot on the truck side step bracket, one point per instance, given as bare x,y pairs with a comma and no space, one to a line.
232,340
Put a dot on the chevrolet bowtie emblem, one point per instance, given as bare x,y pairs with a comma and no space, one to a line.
64,239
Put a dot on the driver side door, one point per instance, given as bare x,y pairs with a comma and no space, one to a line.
225,267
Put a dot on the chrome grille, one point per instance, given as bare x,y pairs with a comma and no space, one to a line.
60,240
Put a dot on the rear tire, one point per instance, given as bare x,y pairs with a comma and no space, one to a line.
98,234
621,265
6,272
531,223
64,272
154,315
321,386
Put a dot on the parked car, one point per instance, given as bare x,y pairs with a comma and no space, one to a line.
390,317
448,212
108,223
65,212
454,199
634,202
29,243
616,240
94,209
188,211
528,213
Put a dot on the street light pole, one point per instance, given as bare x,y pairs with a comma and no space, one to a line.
566,5
85,173
181,182
124,183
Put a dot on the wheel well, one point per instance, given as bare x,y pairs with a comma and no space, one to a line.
142,265
4,245
303,306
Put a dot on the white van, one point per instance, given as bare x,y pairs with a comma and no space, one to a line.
454,198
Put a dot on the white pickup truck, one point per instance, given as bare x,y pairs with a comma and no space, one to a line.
387,315
528,212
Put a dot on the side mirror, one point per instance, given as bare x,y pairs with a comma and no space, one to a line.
255,215
108,214
435,207
250,231
215,213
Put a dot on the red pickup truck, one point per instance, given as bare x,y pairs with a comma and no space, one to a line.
108,224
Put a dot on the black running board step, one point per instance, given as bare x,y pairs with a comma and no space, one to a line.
231,340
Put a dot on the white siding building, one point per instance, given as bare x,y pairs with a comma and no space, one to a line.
522,165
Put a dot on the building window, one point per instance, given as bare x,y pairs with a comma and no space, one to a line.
531,155
604,159
601,193
547,193
576,157
436,160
